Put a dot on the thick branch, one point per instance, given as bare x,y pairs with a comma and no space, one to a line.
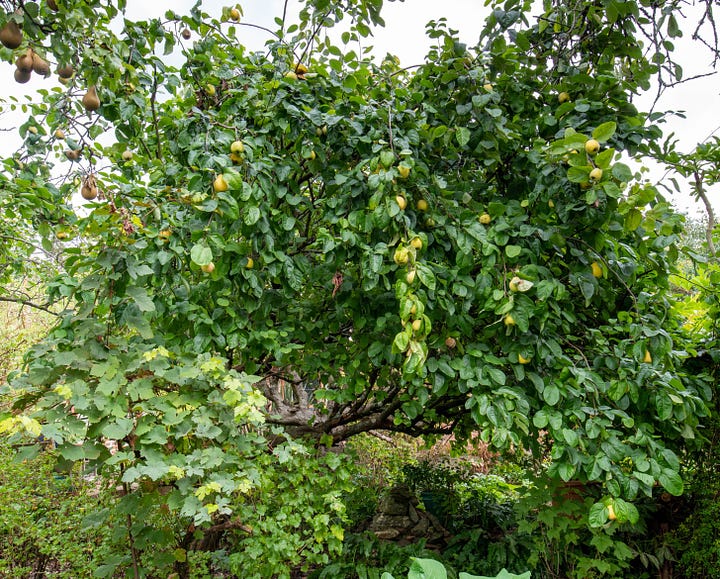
700,191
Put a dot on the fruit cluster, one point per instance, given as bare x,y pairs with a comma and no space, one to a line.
11,36
28,63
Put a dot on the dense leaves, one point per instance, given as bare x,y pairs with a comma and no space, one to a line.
304,238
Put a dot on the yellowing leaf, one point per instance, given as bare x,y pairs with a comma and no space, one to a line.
63,390
337,532
31,425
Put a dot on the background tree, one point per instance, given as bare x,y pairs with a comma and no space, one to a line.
307,239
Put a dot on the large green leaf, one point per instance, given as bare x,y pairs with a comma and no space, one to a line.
504,574
426,569
604,131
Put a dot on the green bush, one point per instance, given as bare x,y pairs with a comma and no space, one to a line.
563,545
61,525
697,539
485,527
295,515
41,531
364,556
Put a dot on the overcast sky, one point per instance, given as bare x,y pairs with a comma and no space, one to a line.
404,36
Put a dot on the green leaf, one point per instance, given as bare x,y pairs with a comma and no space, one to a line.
622,172
426,569
496,375
426,276
671,481
551,394
71,452
671,458
462,134
633,219
141,299
604,131
201,254
387,158
401,342
570,436
118,430
587,288
598,515
646,479
540,419
252,215
104,571
29,452
604,159
625,511
579,174
566,471
674,30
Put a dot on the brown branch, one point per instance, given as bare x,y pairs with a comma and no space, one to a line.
229,525
284,16
700,191
28,303
382,437
313,35
153,109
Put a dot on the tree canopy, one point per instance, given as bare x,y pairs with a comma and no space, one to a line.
304,240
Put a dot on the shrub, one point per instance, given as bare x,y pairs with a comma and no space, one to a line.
697,540
554,517
295,515
41,531
364,556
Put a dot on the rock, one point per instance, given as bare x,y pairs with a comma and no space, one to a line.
420,528
383,521
398,519
387,534
391,506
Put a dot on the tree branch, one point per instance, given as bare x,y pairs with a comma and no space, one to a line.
28,303
700,191
153,95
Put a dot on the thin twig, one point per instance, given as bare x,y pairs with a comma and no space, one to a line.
158,145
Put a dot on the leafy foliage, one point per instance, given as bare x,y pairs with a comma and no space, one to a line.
304,239
297,515
41,530
367,557
318,216
567,543
431,569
